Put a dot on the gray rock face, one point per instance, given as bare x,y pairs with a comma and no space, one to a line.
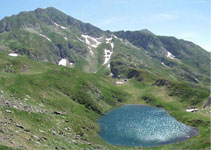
207,103
162,82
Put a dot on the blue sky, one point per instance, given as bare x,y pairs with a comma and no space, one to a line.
186,19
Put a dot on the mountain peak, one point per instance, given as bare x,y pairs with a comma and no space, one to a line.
47,16
146,31
47,9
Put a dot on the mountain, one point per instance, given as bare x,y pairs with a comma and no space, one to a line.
50,35
183,58
58,75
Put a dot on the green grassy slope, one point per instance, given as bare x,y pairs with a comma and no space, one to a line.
45,106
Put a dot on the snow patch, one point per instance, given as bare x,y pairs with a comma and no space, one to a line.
45,37
170,55
115,36
91,52
108,52
112,45
63,62
164,64
62,27
65,38
108,40
90,49
111,74
196,79
13,54
91,41
109,65
192,110
121,81
80,39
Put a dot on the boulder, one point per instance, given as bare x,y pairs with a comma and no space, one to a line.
207,103
8,111
162,82
19,126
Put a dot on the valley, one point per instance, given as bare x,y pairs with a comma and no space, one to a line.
58,76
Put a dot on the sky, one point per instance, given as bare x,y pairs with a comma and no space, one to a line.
184,19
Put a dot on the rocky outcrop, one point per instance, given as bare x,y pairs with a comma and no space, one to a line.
132,73
162,82
207,103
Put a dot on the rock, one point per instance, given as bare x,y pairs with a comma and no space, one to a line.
54,132
162,82
61,132
207,103
7,104
14,106
1,92
28,96
133,73
83,138
1,131
147,99
159,106
37,142
8,111
44,138
35,137
41,105
19,126
58,113
74,142
27,130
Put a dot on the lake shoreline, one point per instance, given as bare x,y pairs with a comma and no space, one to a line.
190,134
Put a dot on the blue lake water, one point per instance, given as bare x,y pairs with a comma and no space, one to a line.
140,125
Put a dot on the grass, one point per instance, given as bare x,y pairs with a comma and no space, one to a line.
81,98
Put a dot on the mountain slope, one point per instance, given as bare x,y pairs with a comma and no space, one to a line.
188,61
50,35
46,106
47,35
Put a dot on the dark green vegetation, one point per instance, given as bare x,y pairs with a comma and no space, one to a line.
46,106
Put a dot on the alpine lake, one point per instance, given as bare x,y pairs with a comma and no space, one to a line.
144,126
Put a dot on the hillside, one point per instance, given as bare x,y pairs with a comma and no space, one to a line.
47,106
58,75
